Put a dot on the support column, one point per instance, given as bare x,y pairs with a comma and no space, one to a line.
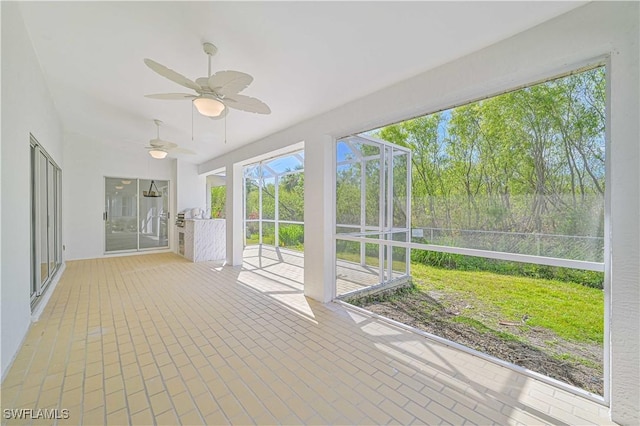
319,212
623,189
235,214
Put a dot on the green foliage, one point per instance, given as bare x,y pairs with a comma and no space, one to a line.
218,202
291,235
291,197
528,162
261,195
268,199
252,199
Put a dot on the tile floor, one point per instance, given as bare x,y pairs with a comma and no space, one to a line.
156,339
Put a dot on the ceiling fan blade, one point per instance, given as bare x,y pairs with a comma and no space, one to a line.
203,82
246,103
159,143
182,151
171,74
229,82
171,96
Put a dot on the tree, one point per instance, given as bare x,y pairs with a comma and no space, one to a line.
528,161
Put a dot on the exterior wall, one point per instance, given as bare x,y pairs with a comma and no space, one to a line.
26,108
595,32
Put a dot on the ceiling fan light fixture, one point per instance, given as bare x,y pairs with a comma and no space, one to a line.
208,106
158,154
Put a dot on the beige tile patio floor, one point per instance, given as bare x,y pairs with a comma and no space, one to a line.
156,339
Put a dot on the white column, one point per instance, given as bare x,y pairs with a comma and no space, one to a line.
235,215
207,199
319,211
623,186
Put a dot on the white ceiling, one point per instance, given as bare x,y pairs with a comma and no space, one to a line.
306,58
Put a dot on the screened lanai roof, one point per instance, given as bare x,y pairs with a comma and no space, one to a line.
354,148
276,167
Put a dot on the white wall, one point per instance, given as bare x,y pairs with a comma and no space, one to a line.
191,192
87,162
26,108
192,188
594,31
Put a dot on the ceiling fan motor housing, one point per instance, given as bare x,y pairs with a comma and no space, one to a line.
209,48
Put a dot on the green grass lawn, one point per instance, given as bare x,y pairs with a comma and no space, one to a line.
573,311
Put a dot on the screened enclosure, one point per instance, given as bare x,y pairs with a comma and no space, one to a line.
507,225
274,202
519,176
373,213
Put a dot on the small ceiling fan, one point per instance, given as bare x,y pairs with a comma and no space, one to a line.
159,148
214,93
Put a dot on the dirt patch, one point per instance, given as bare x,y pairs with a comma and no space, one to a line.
534,348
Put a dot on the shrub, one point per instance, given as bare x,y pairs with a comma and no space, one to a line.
291,235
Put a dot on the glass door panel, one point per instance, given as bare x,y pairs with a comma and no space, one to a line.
43,219
52,217
154,209
58,211
121,214
46,221
34,237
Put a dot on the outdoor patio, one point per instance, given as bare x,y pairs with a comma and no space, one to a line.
157,339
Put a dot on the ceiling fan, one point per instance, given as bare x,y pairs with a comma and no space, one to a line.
159,148
214,93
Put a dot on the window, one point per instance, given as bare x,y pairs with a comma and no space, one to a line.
46,220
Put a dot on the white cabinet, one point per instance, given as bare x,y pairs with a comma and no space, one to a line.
203,240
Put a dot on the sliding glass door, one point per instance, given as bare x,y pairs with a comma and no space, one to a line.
154,214
136,214
46,220
121,217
